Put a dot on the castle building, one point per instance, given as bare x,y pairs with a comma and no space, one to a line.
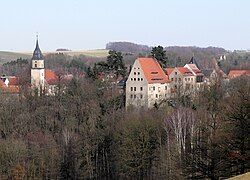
148,84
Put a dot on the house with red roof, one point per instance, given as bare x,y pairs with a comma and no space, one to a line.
147,84
237,73
9,84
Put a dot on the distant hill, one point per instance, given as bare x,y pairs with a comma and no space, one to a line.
128,47
177,55
6,56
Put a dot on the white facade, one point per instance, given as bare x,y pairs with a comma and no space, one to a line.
148,85
141,93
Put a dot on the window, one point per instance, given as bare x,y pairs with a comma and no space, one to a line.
131,79
134,88
134,96
188,79
175,73
138,73
131,96
138,79
156,95
134,79
141,79
172,79
153,88
131,88
35,65
191,79
185,79
179,79
141,96
141,88
166,87
134,73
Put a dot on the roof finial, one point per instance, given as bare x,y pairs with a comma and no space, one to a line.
36,35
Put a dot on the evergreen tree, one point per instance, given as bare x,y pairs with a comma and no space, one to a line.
160,54
115,63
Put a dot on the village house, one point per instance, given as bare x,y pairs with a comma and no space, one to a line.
147,84
9,84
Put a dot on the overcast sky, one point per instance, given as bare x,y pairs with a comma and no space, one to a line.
90,24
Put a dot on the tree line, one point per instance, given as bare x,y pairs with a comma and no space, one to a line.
84,132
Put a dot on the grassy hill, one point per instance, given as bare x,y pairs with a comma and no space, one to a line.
91,53
6,56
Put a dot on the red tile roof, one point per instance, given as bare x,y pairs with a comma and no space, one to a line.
152,71
194,68
50,77
13,81
183,70
169,70
237,73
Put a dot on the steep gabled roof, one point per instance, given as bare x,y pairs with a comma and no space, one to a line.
169,70
37,54
193,61
152,71
183,70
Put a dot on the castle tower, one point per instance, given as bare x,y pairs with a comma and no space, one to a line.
37,69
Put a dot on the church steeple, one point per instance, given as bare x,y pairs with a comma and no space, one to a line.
37,69
37,54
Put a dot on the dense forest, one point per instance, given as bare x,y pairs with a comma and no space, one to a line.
180,55
85,132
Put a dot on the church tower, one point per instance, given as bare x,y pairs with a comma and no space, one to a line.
37,69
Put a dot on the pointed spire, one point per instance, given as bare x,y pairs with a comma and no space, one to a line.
37,54
193,61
